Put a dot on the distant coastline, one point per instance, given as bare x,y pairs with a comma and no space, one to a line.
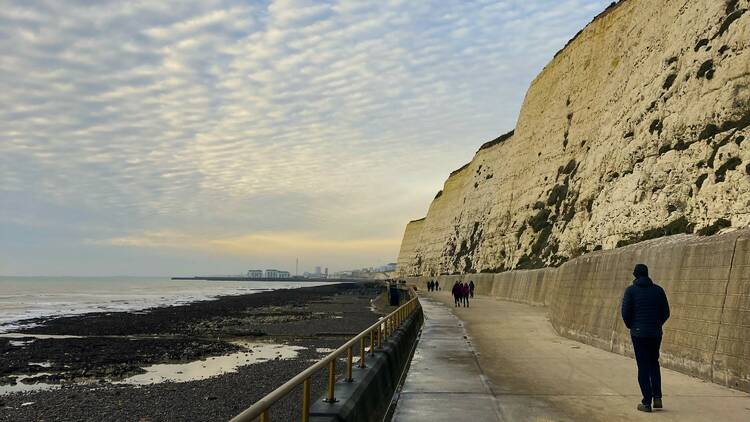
230,278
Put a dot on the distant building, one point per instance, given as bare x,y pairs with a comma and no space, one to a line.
255,274
317,271
277,274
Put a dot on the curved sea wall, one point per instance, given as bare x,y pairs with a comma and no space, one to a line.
707,281
637,129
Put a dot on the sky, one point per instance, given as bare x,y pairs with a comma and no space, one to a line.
215,136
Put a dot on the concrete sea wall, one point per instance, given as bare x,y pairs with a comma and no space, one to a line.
368,396
707,280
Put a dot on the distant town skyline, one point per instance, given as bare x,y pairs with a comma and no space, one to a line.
151,138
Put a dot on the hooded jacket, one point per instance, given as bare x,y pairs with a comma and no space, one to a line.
644,307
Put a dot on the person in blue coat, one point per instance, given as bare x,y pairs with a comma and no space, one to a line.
644,310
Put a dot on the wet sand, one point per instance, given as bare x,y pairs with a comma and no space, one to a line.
104,371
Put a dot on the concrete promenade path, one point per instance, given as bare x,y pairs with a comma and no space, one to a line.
514,367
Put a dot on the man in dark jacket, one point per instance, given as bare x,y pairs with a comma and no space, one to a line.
644,310
456,291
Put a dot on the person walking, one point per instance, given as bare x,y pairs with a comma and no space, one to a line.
437,285
465,294
429,286
644,310
456,291
471,289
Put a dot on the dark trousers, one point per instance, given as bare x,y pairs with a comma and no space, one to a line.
649,375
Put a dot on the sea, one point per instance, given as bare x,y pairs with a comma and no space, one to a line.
24,298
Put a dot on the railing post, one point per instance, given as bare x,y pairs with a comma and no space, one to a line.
331,398
372,342
306,401
264,417
349,359
362,352
380,337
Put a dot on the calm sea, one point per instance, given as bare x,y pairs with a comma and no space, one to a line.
31,297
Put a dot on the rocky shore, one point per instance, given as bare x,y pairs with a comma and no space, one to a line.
104,349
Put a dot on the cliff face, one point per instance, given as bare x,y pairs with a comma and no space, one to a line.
636,130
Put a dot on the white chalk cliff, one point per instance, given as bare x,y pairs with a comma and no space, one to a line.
637,129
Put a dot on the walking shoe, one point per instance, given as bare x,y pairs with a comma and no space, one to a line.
644,407
657,403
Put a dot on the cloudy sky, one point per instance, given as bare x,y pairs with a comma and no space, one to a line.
213,136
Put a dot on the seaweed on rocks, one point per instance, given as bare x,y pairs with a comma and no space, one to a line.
217,398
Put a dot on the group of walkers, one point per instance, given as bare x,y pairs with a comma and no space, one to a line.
462,292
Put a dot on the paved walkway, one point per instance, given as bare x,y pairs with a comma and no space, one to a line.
444,374
514,367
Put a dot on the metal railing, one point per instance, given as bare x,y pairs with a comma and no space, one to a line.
376,333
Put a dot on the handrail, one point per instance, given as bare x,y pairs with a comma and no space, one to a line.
384,327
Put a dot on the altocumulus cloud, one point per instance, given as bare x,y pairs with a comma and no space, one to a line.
317,125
